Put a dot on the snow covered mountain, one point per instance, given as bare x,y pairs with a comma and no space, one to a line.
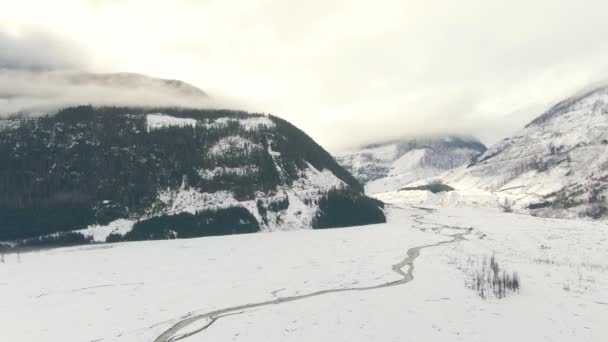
556,166
90,174
389,166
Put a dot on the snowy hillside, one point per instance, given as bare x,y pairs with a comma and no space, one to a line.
389,166
407,280
556,166
110,174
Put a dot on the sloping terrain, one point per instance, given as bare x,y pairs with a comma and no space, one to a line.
391,165
556,166
108,174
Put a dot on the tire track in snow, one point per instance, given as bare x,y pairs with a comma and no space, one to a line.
170,335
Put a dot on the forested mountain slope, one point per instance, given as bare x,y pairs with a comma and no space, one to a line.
111,173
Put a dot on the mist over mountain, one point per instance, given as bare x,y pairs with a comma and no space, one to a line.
35,92
556,166
390,165
129,80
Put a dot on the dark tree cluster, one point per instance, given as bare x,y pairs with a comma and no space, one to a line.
344,208
272,205
432,187
54,240
214,222
491,280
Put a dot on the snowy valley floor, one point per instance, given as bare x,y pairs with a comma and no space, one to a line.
256,287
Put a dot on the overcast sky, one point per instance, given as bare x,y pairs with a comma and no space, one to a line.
347,72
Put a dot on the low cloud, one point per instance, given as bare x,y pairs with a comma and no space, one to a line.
36,92
34,50
346,72
42,73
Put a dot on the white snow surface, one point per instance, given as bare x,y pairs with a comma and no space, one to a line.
248,124
210,174
235,143
136,291
390,166
99,233
405,169
158,121
252,124
7,124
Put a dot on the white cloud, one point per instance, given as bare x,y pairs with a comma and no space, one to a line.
37,92
350,71
37,50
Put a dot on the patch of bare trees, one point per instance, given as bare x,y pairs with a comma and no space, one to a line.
488,279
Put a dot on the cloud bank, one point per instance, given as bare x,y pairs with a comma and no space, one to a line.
348,72
36,50
35,92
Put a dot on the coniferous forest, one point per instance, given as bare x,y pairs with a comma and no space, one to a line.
86,165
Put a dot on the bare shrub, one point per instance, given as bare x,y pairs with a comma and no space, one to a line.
506,206
488,279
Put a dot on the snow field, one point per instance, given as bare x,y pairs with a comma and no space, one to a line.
136,291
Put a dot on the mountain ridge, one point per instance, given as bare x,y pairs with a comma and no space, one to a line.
556,166
564,105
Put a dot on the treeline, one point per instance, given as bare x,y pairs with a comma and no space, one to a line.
214,222
345,208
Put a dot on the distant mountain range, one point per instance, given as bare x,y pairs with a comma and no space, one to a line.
104,174
556,166
391,165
